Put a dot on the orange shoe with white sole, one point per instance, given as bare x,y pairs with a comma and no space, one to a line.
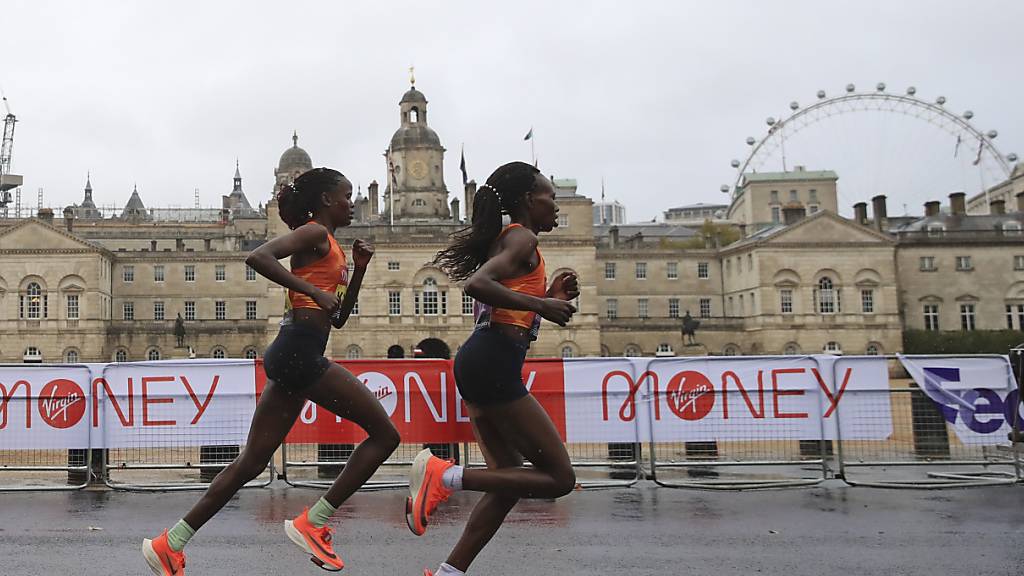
162,560
315,541
426,490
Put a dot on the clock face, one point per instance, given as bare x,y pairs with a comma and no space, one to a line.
418,169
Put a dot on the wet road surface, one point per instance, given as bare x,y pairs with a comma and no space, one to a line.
635,531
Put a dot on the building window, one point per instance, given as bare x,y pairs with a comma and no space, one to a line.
419,202
158,310
641,270
609,270
812,195
702,271
353,352
612,308
128,311
219,352
873,349
967,317
812,208
32,304
190,310
158,273
731,350
394,266
250,274
743,308
355,309
673,307
563,220
833,348
774,197
220,310
641,307
931,317
664,349
467,304
776,215
190,273
826,296
250,309
936,230
791,349
793,197
71,356
1020,316
632,351
1018,262
430,299
705,307
1009,316
121,355
153,354
786,301
394,303
729,307
750,262
928,264
72,306
568,352
251,353
867,301
963,263
1011,228
220,273
672,270
128,274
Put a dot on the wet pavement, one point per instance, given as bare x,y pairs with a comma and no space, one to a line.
635,531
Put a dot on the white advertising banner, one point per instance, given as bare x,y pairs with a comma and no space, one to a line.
725,398
44,407
977,396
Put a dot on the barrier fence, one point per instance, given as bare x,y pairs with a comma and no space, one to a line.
709,422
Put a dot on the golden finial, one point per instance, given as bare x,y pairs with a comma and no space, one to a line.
412,76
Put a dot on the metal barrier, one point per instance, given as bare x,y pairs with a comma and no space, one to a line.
138,403
923,450
693,435
45,429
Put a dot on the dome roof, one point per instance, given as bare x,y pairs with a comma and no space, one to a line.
295,158
415,136
413,95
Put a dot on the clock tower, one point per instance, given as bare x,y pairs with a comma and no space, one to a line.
417,158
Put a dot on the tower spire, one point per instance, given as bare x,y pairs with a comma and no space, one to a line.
295,138
412,76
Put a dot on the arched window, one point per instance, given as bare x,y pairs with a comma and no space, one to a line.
32,304
827,296
568,352
791,349
414,115
70,356
121,355
153,354
664,349
632,351
1011,228
833,348
874,349
731,350
353,352
218,352
430,297
251,353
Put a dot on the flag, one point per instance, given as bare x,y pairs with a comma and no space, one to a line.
529,134
956,150
981,148
462,166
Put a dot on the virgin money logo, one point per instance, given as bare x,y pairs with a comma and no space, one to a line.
382,388
690,395
62,403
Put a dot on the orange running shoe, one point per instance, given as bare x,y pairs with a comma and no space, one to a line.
315,541
161,559
426,490
427,572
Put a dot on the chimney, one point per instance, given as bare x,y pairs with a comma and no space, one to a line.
860,213
470,191
613,237
958,204
455,211
997,207
46,215
931,208
880,214
371,191
1020,201
793,213
69,219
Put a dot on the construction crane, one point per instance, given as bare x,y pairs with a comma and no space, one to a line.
8,181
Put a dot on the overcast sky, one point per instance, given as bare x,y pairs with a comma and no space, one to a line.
656,98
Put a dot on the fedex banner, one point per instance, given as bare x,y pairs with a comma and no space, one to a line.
211,402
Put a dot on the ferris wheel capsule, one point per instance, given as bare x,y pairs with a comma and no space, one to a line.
770,121
880,87
940,100
911,91
794,105
724,188
750,141
992,134
968,115
821,94
850,88
735,163
1011,157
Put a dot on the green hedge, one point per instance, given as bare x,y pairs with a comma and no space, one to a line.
960,342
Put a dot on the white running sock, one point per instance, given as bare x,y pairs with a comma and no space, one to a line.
447,570
452,480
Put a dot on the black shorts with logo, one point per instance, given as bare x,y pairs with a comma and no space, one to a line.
489,368
295,359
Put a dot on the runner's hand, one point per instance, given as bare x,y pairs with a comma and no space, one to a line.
556,310
326,300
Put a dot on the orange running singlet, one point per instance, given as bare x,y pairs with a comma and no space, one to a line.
329,274
533,283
